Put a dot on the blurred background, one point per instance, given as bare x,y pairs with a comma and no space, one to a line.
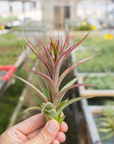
95,12
48,17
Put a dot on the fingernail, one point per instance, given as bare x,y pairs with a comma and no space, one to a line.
51,127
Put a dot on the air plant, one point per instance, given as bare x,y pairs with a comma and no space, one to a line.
52,57
106,122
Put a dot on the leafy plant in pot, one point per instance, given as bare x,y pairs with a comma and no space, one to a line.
52,57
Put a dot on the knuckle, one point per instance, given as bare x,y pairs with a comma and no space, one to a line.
33,125
43,138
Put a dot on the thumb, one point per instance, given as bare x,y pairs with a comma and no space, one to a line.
47,134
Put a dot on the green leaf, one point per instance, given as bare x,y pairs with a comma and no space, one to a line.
44,90
60,95
43,105
105,130
47,114
71,82
49,106
48,79
54,114
61,104
32,86
61,119
70,102
108,136
48,117
33,108
39,102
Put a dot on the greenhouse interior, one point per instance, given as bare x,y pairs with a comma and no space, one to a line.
57,56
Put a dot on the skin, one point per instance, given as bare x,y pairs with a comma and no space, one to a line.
35,131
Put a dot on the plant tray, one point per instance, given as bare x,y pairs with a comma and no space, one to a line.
99,93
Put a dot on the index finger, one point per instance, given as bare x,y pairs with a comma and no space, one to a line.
31,124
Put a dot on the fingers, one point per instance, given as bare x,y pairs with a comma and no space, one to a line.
30,125
47,135
34,134
55,142
61,137
63,127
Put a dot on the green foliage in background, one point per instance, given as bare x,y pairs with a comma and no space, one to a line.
105,123
9,101
102,63
10,48
82,28
106,81
7,19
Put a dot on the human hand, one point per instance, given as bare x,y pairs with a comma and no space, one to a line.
34,131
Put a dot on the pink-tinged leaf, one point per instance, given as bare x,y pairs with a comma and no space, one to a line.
40,45
70,102
45,48
60,95
72,67
71,82
49,80
30,60
41,59
56,73
65,42
44,90
32,86
67,52
71,45
33,108
58,50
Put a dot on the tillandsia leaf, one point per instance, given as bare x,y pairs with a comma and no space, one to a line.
48,117
67,52
70,102
72,67
32,86
49,106
104,124
49,80
61,55
46,86
60,95
62,103
61,119
43,105
38,101
52,113
40,45
44,90
47,53
65,42
33,108
30,60
105,130
41,59
71,82
71,45
111,134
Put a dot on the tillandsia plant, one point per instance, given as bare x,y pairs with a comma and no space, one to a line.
106,122
52,57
